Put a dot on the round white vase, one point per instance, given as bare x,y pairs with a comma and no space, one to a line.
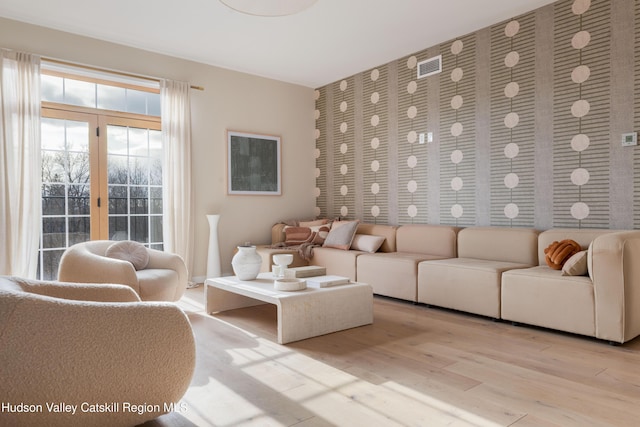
213,256
246,263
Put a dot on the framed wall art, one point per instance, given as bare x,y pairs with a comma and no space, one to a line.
253,164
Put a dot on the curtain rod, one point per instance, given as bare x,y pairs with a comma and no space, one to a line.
103,70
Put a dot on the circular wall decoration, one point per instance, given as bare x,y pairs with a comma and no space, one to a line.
412,162
511,211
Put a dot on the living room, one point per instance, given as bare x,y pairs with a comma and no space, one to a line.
456,127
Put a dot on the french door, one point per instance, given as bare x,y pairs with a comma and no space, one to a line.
101,179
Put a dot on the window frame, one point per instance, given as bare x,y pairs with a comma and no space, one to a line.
98,120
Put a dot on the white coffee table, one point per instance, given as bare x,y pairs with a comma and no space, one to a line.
301,314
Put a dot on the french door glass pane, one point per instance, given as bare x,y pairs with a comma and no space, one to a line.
134,184
65,190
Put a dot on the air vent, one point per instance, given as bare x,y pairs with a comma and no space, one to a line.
430,66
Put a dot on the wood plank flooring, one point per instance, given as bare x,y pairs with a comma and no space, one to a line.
415,366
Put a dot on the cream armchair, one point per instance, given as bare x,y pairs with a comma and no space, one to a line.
84,345
163,279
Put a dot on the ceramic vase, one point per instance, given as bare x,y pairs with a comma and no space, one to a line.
213,256
246,263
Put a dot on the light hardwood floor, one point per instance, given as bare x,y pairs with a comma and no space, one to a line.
415,366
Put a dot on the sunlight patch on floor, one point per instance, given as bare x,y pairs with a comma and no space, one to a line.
341,398
217,398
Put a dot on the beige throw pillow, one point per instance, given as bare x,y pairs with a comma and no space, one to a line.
128,250
576,265
367,243
341,235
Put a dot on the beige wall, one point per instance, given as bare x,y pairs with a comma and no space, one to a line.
231,100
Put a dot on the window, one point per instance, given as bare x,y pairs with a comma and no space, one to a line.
101,163
134,181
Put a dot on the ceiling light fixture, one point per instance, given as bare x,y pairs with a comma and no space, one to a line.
269,7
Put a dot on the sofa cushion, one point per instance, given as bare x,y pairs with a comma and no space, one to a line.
576,265
391,274
543,297
437,240
516,245
366,243
341,235
128,250
465,284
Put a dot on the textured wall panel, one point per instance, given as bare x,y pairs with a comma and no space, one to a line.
457,132
375,146
513,122
412,156
344,148
321,191
581,114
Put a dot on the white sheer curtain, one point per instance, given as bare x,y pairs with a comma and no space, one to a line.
176,138
20,169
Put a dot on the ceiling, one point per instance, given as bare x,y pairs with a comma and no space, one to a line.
331,40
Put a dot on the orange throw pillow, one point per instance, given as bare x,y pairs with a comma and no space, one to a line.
557,253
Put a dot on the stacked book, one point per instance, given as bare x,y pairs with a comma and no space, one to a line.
307,271
315,276
326,281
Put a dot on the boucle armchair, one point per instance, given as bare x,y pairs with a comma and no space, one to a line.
163,279
84,345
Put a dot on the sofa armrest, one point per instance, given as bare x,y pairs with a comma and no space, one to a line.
615,271
277,233
74,352
98,292
78,265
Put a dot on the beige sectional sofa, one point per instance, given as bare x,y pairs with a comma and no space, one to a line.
498,272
